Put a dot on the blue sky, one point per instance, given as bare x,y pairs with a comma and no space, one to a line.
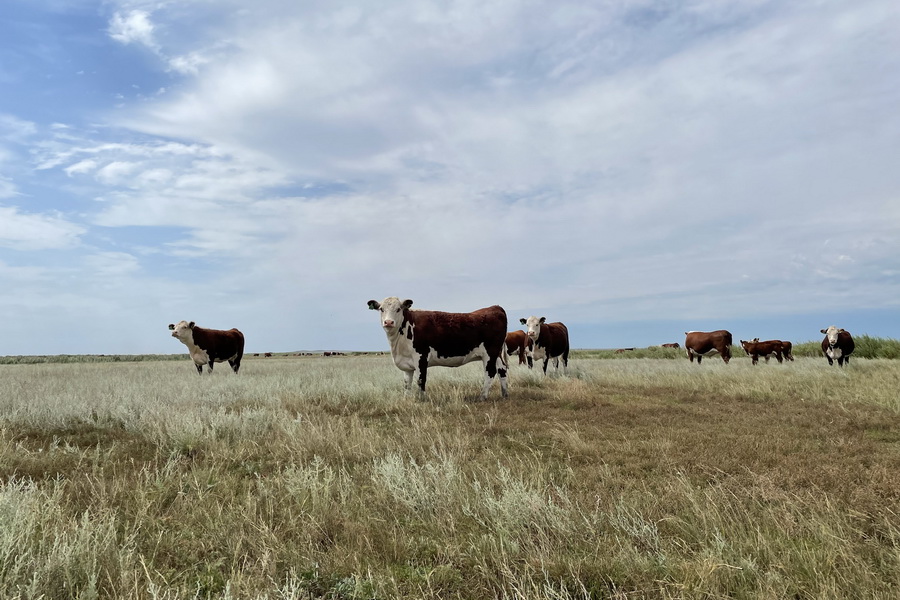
633,169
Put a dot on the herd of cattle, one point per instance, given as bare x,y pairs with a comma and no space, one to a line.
419,339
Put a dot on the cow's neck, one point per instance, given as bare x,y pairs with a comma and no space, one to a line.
400,338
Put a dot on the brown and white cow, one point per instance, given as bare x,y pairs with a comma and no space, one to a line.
706,343
672,345
767,349
428,338
208,346
787,349
837,345
551,340
518,342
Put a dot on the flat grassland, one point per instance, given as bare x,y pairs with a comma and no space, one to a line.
319,478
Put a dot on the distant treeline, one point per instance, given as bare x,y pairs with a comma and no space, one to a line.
866,347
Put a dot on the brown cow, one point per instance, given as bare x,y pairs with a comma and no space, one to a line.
756,348
208,346
705,343
518,342
427,338
551,340
787,349
672,345
838,344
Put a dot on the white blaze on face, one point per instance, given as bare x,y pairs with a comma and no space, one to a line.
184,333
533,327
832,334
391,312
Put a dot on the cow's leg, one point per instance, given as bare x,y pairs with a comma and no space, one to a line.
235,365
502,369
209,366
778,357
490,371
699,358
422,370
565,362
199,369
408,377
755,358
546,362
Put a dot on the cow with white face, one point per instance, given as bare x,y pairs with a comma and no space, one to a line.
837,345
551,341
428,338
208,346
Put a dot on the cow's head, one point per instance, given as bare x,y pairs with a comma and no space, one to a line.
533,326
832,334
391,311
746,346
182,330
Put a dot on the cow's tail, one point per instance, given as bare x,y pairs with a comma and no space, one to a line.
504,357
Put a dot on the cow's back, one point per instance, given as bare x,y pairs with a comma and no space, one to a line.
554,338
458,334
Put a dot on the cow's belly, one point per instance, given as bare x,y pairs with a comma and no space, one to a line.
707,352
455,361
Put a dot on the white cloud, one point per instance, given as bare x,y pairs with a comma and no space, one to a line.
135,27
24,231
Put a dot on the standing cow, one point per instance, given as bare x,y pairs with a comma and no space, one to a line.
428,338
551,340
706,343
518,342
787,348
756,348
837,345
208,346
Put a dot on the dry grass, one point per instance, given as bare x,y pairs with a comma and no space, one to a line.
320,478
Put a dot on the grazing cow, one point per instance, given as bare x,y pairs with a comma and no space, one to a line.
208,346
267,355
518,342
624,350
706,343
756,348
837,345
672,345
551,340
428,338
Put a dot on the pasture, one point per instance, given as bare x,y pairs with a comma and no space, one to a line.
315,477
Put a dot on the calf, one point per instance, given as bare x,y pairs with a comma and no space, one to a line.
208,346
551,340
518,342
428,338
706,343
756,348
787,348
837,345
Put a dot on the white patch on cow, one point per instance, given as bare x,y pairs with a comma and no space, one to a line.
185,335
834,352
477,353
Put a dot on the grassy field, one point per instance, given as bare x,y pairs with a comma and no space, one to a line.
319,478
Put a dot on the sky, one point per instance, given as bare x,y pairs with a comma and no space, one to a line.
634,169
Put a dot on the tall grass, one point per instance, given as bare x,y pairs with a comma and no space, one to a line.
321,478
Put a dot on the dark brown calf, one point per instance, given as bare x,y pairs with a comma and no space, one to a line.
518,342
755,349
704,343
672,345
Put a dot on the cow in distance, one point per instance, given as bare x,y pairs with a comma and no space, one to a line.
518,342
838,345
767,349
209,346
551,341
706,343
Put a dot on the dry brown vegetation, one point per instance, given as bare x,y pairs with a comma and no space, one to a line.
320,478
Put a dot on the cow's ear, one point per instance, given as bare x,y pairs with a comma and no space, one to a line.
523,321
824,331
171,327
543,319
841,330
374,305
407,303
191,324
